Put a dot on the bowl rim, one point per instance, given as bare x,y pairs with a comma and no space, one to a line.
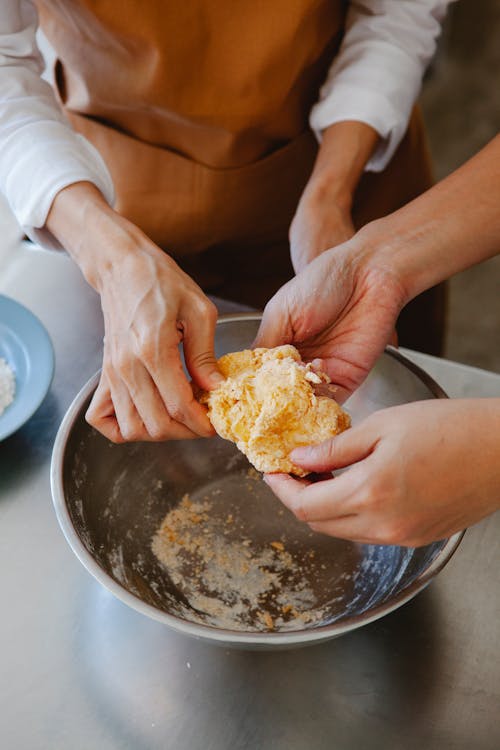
207,632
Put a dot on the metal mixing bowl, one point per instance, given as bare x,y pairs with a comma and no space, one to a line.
111,499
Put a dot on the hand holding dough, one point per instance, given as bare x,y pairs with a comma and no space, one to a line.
268,406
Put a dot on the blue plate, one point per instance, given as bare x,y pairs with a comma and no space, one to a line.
27,348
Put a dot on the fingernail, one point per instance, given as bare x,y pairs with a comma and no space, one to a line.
318,364
216,378
300,454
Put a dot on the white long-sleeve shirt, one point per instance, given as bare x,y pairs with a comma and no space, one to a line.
375,78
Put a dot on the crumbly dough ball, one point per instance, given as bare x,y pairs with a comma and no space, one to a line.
268,406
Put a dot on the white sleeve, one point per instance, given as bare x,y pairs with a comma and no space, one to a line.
377,74
39,152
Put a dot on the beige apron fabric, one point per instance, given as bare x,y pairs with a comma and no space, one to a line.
200,110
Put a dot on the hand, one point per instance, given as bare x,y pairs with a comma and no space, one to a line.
150,305
319,224
340,309
418,473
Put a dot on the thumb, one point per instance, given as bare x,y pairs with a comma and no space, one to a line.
275,328
345,449
199,353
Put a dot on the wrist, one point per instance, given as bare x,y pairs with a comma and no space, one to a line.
91,232
345,149
382,257
324,189
410,250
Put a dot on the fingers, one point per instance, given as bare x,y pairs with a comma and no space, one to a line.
153,374
153,420
149,391
340,451
176,393
101,413
348,527
198,341
121,417
328,507
311,502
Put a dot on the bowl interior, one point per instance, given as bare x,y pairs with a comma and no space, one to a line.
266,569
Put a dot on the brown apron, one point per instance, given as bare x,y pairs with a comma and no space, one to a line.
200,110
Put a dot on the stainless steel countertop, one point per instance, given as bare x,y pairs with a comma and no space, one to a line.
81,670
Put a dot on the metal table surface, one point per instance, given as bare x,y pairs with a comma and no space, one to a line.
80,670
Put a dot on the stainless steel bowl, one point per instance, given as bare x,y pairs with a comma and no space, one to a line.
110,501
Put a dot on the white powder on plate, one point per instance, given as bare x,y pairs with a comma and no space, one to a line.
7,385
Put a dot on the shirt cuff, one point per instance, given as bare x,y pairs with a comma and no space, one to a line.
45,158
375,83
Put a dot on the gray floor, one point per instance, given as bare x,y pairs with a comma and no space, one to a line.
461,102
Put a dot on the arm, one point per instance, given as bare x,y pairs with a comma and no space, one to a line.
323,216
39,152
60,190
342,308
377,74
417,473
447,229
363,112
150,306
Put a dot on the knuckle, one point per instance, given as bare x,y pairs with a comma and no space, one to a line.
299,509
203,359
367,497
159,432
210,310
327,451
91,417
122,362
131,432
204,307
374,494
127,434
176,411
114,436
147,351
394,532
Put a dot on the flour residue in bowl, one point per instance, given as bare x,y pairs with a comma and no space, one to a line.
227,580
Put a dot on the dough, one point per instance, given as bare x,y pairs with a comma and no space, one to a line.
267,406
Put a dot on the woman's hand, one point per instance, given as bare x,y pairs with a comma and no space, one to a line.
150,305
341,309
417,473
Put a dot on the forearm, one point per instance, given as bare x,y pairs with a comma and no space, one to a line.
323,216
345,149
452,226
